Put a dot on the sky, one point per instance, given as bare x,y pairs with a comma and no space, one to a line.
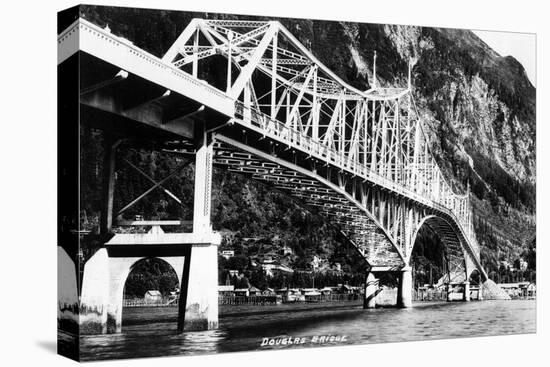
522,46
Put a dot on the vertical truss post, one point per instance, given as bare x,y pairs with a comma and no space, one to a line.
409,79
416,153
203,181
229,61
195,69
382,205
425,170
384,131
109,160
363,194
374,143
409,151
465,264
314,109
449,289
374,71
399,161
365,133
409,232
274,76
287,106
342,131
247,115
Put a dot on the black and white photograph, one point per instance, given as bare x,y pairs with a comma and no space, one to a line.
232,183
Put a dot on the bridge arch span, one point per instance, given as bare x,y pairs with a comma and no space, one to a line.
335,198
458,263
171,263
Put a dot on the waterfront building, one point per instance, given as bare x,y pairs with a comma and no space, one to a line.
227,254
152,296
226,290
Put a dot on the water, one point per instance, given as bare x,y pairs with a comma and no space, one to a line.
151,332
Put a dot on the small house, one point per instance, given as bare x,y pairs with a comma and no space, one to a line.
226,290
269,292
253,291
312,295
346,289
294,295
152,296
227,254
281,291
241,292
531,290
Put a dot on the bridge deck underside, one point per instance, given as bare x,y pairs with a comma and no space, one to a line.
332,205
454,251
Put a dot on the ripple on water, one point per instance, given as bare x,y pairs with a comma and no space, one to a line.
241,333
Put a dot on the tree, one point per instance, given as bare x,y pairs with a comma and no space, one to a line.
258,278
239,262
242,282
150,274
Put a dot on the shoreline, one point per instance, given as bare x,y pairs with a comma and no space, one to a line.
249,310
134,316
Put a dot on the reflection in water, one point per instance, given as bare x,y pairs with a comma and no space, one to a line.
152,332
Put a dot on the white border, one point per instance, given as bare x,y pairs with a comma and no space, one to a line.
28,265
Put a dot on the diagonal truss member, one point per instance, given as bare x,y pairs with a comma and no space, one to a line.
155,185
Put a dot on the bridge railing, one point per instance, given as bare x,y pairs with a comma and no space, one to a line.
277,129
308,145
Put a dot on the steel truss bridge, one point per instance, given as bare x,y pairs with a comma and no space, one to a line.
263,105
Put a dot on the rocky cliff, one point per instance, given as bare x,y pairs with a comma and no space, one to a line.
478,109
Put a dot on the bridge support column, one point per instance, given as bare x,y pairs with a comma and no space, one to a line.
450,292
109,146
404,292
466,295
201,290
201,296
371,289
203,184
102,293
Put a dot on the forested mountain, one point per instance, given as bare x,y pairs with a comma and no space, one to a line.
478,109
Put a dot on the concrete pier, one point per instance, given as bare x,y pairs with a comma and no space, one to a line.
466,295
371,288
201,303
103,290
480,292
192,256
404,291
201,298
